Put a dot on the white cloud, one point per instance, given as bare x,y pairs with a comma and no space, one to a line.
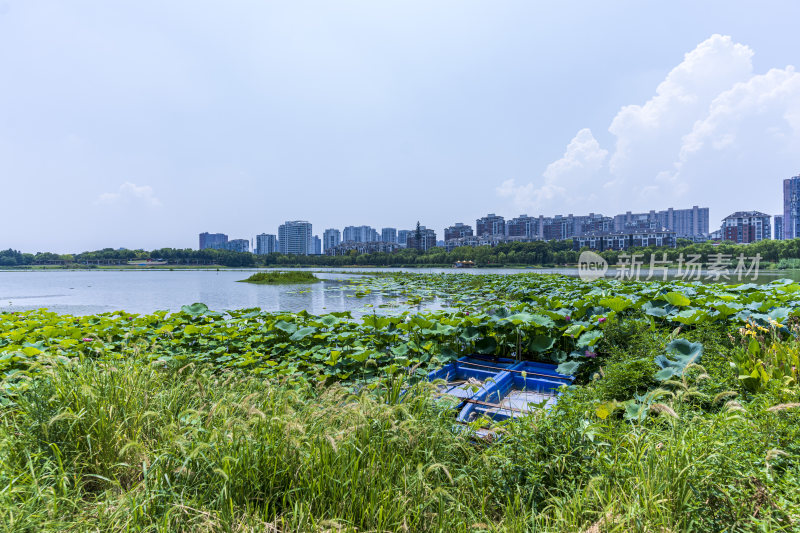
711,124
648,135
578,167
775,95
129,193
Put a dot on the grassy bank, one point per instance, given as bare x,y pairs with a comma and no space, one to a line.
282,278
123,446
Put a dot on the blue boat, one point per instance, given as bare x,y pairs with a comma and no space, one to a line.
499,388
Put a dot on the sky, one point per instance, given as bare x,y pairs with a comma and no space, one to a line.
140,124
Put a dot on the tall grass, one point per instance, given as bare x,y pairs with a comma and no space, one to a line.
132,446
92,446
790,263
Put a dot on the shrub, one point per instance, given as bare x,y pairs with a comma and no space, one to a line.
620,380
293,276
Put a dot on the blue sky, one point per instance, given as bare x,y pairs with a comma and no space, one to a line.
141,124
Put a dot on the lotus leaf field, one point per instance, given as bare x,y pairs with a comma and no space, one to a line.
530,316
683,416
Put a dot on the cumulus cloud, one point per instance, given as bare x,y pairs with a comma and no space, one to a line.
130,193
774,96
582,159
649,135
712,124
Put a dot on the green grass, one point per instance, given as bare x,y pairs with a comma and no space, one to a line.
126,445
292,276
252,421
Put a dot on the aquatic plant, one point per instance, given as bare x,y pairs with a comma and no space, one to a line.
275,278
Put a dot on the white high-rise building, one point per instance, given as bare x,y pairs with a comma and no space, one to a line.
330,238
295,237
359,234
266,244
389,234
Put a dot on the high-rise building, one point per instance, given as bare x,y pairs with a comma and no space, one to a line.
557,228
791,207
593,222
389,234
266,243
457,231
317,245
238,245
422,239
523,226
359,234
491,224
331,237
637,222
217,241
686,223
295,237
744,227
402,237
777,227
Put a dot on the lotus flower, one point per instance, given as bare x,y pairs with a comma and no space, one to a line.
601,320
590,354
87,339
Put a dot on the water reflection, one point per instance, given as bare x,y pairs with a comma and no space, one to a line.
87,292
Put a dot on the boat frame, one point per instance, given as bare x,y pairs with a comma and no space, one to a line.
499,388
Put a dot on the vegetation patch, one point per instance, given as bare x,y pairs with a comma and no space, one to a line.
684,416
281,278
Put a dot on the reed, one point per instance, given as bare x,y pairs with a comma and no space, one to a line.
100,445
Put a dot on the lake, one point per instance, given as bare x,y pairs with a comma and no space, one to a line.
99,291
144,291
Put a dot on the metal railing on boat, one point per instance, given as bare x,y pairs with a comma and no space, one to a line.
501,369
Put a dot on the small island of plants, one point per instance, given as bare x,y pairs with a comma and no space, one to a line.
275,278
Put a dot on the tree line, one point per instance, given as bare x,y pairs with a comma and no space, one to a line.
539,253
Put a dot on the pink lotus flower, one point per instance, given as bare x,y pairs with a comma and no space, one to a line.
566,318
87,339
590,354
601,320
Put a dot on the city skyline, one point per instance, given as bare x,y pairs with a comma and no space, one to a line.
594,230
112,139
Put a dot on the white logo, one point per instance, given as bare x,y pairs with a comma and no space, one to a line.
591,266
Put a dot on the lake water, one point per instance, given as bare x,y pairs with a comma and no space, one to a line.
136,291
89,292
